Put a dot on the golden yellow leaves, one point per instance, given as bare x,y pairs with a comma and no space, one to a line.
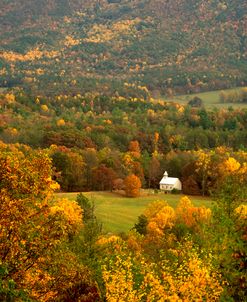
119,281
101,33
31,55
108,240
203,160
154,208
10,98
32,225
196,281
52,185
241,211
161,217
164,219
44,108
71,212
191,216
229,166
131,277
71,41
61,122
41,277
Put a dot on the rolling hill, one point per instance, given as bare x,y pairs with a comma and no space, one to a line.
72,46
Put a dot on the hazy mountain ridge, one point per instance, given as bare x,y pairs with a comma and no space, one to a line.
97,45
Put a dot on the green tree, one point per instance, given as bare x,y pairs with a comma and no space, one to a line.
141,225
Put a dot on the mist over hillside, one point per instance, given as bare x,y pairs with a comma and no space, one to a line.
54,46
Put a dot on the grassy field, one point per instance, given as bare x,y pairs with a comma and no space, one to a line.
210,99
119,213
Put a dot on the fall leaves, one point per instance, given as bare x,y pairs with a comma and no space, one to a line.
167,262
132,185
45,255
33,226
90,43
129,273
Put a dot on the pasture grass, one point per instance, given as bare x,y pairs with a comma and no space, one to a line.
119,213
210,99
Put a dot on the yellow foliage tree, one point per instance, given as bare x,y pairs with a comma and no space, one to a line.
191,216
119,281
44,108
229,166
154,207
164,219
241,211
61,122
188,278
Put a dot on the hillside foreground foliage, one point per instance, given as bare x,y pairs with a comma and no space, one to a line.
54,250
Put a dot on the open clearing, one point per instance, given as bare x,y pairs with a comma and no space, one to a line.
210,99
119,213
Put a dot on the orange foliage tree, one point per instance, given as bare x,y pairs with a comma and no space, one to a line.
132,185
134,149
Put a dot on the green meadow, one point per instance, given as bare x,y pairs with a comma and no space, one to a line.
210,99
119,213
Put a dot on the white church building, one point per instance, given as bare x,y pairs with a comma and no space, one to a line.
169,183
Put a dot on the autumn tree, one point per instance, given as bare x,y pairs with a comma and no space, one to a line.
103,178
132,185
230,190
134,149
133,276
132,163
34,228
191,216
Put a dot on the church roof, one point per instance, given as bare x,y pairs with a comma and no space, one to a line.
168,180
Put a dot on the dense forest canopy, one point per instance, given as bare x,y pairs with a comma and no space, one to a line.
98,139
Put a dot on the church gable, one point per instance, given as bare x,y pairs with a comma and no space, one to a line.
170,183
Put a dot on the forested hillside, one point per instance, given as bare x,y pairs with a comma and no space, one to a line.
52,46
